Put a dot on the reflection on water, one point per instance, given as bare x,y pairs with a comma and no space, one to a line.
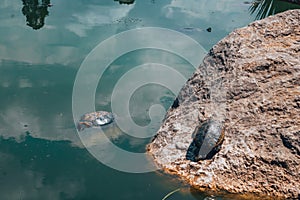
37,72
35,12
51,170
265,8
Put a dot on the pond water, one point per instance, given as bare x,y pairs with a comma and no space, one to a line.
43,46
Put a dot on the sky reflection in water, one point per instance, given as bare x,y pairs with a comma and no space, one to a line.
37,71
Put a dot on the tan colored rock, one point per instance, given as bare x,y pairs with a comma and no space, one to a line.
250,80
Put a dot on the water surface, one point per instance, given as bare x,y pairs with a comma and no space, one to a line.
41,155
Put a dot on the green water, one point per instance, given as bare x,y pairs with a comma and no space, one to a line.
41,155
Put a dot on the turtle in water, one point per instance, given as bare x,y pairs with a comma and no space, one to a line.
208,138
95,119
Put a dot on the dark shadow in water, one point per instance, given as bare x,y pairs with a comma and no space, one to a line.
265,8
35,12
206,195
125,1
220,195
36,168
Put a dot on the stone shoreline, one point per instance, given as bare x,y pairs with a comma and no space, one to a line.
251,81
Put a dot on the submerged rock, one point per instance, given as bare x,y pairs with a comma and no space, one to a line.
250,81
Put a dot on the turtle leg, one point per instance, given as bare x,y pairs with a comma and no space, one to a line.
82,125
87,124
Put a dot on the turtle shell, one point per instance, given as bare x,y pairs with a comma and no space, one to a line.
95,119
208,138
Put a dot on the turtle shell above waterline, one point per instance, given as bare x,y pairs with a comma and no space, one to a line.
208,138
95,119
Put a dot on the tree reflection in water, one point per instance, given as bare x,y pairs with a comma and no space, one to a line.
265,8
35,12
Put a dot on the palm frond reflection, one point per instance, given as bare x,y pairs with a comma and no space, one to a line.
265,8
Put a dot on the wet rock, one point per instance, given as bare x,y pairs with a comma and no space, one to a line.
250,80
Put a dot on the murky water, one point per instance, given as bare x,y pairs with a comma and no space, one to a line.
41,49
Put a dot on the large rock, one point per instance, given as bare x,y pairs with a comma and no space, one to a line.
250,80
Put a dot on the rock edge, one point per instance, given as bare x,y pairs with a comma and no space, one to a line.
251,81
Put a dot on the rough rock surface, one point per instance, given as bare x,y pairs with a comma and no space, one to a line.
250,80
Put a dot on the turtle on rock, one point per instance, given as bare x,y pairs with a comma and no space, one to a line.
95,119
208,138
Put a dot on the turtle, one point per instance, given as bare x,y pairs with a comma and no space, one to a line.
208,138
95,119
